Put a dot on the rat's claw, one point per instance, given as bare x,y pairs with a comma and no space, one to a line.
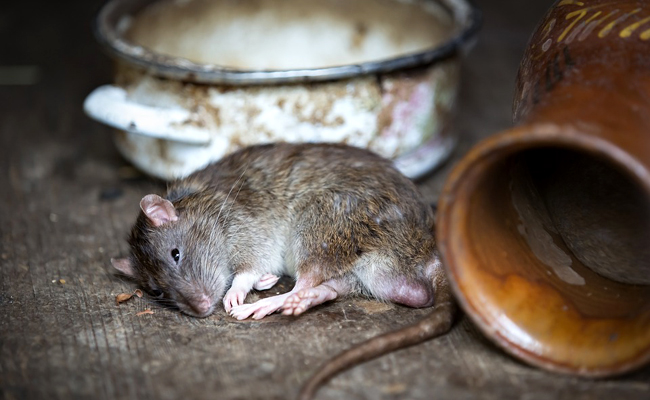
243,311
239,313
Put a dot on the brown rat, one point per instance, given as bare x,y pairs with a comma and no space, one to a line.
339,219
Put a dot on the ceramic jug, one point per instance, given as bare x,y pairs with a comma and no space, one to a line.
545,228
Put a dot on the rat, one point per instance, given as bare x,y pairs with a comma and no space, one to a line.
341,220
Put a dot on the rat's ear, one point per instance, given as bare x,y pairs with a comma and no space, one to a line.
159,211
124,265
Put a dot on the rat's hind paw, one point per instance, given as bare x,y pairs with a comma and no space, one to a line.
266,282
307,298
259,309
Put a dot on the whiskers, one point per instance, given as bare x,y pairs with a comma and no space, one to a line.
162,301
167,303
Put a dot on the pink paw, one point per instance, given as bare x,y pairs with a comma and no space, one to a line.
305,299
266,282
259,309
233,298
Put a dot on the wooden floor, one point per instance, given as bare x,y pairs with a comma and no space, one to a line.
67,202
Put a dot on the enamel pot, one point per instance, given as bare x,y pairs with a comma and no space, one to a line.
198,79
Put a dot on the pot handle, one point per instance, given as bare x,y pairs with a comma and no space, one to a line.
109,104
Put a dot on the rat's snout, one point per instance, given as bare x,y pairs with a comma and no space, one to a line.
204,304
201,306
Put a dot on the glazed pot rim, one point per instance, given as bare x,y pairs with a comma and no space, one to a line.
106,29
545,135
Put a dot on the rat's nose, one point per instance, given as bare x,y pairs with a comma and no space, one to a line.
203,305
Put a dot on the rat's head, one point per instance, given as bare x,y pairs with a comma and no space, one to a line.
176,257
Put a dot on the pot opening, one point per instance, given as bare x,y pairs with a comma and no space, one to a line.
548,250
261,42
289,34
601,214
566,219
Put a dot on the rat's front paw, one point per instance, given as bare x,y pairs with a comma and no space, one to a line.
266,282
233,298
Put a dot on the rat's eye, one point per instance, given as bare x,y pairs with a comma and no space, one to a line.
157,293
176,255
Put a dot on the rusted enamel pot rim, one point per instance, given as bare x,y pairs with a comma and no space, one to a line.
109,37
497,147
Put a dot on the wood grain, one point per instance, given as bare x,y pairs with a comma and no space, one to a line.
67,202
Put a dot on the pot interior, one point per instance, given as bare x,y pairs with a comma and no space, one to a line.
288,34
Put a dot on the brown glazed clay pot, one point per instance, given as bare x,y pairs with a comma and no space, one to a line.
545,228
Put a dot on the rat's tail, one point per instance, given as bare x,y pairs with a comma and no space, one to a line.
435,324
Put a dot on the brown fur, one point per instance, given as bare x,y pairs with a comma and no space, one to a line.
327,193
